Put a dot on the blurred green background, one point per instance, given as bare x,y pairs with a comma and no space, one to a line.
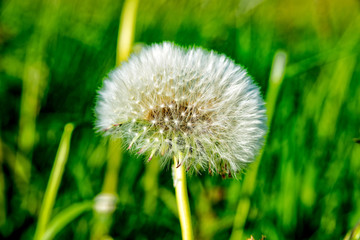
55,54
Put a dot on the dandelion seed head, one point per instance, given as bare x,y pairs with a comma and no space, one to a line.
184,102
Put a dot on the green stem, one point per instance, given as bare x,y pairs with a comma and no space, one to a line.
110,184
104,217
54,181
126,30
105,202
249,183
182,200
65,217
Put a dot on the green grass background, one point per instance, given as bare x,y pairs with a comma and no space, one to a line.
54,55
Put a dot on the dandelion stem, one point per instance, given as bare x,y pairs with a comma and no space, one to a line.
182,199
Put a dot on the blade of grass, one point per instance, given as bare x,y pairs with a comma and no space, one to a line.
54,181
103,217
125,41
248,185
65,217
126,30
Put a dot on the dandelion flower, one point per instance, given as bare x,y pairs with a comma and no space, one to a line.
192,104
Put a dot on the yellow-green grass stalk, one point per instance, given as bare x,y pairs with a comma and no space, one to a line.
109,194
248,185
353,234
126,30
63,218
124,46
105,202
54,182
179,177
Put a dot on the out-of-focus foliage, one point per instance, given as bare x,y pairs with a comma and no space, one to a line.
54,55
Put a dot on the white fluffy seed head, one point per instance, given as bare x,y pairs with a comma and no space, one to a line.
189,103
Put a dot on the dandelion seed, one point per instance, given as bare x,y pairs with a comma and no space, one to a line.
188,102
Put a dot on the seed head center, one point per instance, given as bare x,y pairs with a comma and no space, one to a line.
173,115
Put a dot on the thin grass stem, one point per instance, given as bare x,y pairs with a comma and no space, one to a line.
54,181
65,217
126,30
108,195
249,183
